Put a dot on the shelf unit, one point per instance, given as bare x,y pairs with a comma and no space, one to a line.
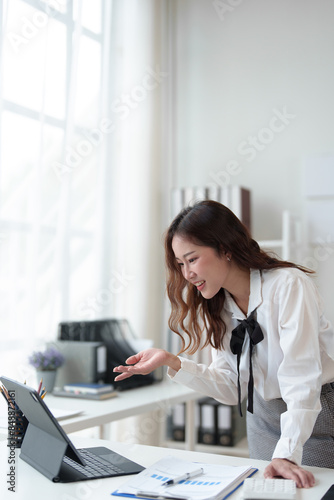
289,245
240,449
188,423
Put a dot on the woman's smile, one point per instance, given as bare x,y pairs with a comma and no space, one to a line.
200,285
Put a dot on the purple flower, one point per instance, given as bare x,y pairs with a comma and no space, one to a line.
50,359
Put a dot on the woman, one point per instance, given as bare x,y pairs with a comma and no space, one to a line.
270,341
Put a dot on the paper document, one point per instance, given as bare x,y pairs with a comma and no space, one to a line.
57,413
60,414
216,482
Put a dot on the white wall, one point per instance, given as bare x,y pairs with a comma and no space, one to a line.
236,68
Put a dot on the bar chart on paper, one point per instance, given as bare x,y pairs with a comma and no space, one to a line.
215,481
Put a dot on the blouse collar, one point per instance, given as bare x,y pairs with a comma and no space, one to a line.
255,296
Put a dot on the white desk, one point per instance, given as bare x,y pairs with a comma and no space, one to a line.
32,484
128,403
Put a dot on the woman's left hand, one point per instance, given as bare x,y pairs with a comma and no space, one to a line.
288,470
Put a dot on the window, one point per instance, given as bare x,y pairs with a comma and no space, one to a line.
52,129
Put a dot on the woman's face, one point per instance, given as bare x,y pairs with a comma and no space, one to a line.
202,266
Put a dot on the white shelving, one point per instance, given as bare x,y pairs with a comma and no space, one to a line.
239,450
290,242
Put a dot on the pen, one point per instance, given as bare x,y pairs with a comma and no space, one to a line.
183,477
156,496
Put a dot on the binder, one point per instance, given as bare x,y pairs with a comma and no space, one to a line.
207,421
236,198
85,362
213,193
225,197
231,428
224,425
220,424
178,422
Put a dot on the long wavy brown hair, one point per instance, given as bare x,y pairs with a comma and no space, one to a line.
209,223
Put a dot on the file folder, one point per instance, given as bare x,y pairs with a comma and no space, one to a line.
115,334
207,422
220,424
85,362
224,425
178,422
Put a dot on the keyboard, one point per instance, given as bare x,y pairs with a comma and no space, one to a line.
95,466
276,489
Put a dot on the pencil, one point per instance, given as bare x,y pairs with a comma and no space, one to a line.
3,394
40,386
7,397
4,390
43,395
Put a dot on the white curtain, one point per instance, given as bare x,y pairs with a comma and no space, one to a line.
82,184
140,78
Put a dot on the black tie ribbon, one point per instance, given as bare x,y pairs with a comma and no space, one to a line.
255,336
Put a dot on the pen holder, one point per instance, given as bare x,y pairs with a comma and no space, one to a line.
17,426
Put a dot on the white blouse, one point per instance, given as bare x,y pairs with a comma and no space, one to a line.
293,361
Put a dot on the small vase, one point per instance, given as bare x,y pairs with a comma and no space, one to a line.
48,378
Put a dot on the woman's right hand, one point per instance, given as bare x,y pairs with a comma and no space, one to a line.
289,470
146,362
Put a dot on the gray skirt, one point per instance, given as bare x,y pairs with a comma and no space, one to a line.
263,430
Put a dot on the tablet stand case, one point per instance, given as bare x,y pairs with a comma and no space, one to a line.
45,443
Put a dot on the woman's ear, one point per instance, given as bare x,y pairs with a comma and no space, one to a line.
227,255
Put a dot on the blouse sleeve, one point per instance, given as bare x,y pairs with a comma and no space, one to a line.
218,380
299,374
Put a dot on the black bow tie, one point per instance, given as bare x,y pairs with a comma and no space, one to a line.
255,336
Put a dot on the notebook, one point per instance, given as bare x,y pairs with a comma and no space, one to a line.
172,478
48,449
